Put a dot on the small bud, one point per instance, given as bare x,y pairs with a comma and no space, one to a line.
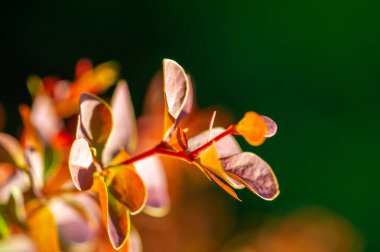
252,127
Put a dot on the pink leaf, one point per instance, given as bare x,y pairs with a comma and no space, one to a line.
134,242
124,132
190,99
152,173
95,121
44,118
271,126
250,170
71,226
176,87
81,164
19,181
35,163
76,216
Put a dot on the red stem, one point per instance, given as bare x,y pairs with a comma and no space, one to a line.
188,157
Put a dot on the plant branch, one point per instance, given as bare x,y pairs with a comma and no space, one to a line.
185,156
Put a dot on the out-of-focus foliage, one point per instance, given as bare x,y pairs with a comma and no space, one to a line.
310,229
115,162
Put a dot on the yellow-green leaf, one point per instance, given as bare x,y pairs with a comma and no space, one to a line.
4,231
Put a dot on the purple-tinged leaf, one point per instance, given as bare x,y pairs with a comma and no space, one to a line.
152,173
176,87
225,147
81,164
250,170
124,131
176,92
95,121
73,227
10,151
44,118
271,126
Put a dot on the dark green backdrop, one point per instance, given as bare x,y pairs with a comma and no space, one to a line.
313,66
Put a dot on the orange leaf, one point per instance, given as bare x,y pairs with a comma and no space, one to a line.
31,138
83,66
114,215
6,172
93,81
222,185
179,140
128,188
120,157
253,128
43,230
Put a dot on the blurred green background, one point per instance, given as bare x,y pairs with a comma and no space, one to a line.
312,66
